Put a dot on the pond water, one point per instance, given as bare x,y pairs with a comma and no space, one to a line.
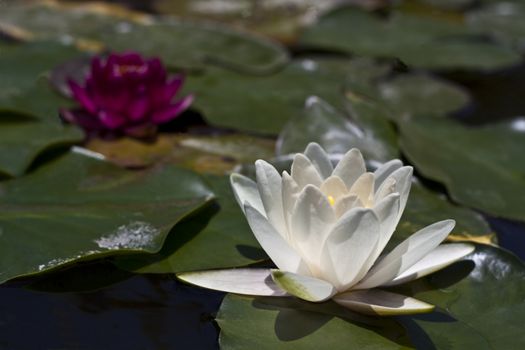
158,312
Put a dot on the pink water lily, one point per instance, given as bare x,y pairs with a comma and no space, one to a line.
126,94
326,229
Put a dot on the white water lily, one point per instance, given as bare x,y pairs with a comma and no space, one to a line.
325,229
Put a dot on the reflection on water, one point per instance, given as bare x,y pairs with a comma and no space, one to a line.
144,312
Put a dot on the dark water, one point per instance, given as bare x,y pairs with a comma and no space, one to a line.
156,311
143,312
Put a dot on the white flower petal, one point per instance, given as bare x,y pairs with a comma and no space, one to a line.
348,246
319,159
406,254
378,302
403,178
304,172
440,257
344,204
304,287
384,171
387,213
270,190
334,187
312,219
240,281
291,191
246,191
273,243
387,187
363,188
350,167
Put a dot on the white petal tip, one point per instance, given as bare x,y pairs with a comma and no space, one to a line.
303,287
378,302
239,281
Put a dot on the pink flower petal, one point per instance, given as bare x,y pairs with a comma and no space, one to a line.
111,120
172,111
82,96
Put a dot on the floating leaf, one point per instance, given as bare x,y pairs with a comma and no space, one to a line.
78,208
480,167
265,104
503,20
323,124
480,302
278,19
22,142
416,40
425,207
214,237
180,43
418,94
216,154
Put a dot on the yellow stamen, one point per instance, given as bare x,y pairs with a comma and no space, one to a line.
331,200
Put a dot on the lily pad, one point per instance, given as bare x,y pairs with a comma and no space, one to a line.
336,133
23,141
278,19
480,305
416,40
418,94
182,44
22,65
78,208
215,237
503,20
479,166
217,154
264,104
425,207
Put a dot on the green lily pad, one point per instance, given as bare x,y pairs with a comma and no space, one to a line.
39,101
22,142
215,237
502,20
418,94
278,19
289,323
480,305
22,65
182,44
480,167
336,133
77,208
484,310
425,207
264,104
418,41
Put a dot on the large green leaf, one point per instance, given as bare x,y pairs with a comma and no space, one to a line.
286,323
483,310
215,237
264,104
502,20
415,94
21,65
416,40
480,306
180,43
279,19
425,207
336,133
78,208
480,167
22,141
